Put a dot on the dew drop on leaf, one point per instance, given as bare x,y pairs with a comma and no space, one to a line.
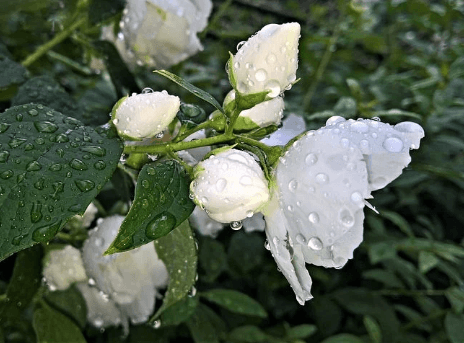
45,126
78,164
46,232
84,185
160,225
94,150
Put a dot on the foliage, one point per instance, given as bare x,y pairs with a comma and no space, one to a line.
397,60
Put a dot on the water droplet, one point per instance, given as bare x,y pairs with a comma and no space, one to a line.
345,142
274,87
16,142
19,117
46,232
4,127
99,165
29,147
315,243
240,44
147,90
260,75
242,87
160,225
55,167
267,246
36,212
334,120
33,112
364,145
151,171
84,185
94,150
4,156
17,240
293,185
221,184
359,126
245,180
145,184
313,217
7,174
62,138
300,239
78,164
45,126
271,58
346,218
310,159
322,178
356,197
192,292
75,208
393,144
236,225
157,324
33,166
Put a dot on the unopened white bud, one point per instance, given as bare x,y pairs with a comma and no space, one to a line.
267,61
144,115
230,186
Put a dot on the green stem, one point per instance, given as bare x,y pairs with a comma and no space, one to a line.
233,119
164,148
323,64
41,50
204,125
173,155
69,62
419,321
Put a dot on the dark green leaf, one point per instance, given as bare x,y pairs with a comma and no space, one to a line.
180,311
70,302
386,277
52,326
455,296
246,101
23,284
191,88
343,338
245,251
212,258
235,302
454,327
22,5
100,10
373,329
230,71
201,327
301,331
427,261
327,314
247,334
12,74
191,115
161,204
381,251
51,168
179,253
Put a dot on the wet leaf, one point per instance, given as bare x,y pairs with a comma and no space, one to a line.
235,302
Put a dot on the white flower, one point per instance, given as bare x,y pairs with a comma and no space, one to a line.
63,267
83,221
292,126
144,115
267,61
316,211
230,186
130,278
261,115
162,33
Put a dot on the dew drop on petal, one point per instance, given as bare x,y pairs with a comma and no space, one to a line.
315,243
310,159
313,217
393,144
359,126
274,87
221,184
322,178
300,239
334,120
356,197
245,180
260,75
293,185
237,225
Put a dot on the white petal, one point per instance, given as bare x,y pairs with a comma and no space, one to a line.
255,223
204,224
292,126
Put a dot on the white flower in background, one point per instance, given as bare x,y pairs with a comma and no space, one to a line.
292,126
161,33
131,278
83,221
116,288
63,267
230,186
261,115
316,211
144,115
268,60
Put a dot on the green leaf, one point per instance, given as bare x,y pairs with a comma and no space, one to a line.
51,168
301,331
327,314
179,253
191,88
70,302
455,296
191,115
343,338
24,283
373,329
247,334
235,302
180,311
427,261
346,107
212,258
246,101
246,251
100,10
230,71
52,326
201,327
12,74
161,204
453,325
386,277
381,251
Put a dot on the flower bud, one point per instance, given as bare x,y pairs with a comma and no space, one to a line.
161,33
261,115
316,211
230,186
144,115
267,61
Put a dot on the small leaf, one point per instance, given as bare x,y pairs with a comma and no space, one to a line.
51,168
178,252
427,261
161,204
301,331
191,115
180,311
230,71
373,329
247,334
246,101
191,88
381,251
455,296
201,326
453,325
53,326
70,302
343,338
235,302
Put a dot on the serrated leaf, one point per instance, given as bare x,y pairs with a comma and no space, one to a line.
24,283
453,325
201,327
161,204
247,334
70,302
51,168
180,311
191,88
235,302
343,338
179,253
53,326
